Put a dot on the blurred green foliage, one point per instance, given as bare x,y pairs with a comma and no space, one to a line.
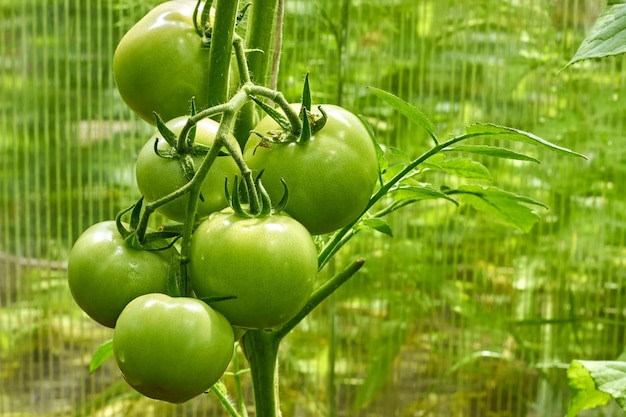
455,315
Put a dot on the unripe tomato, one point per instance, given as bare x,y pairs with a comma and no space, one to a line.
268,263
330,177
172,349
157,176
105,274
161,63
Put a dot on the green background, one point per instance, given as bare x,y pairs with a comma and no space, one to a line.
454,316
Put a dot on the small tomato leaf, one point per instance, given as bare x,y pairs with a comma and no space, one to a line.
509,133
408,110
104,352
493,151
586,392
399,155
377,224
501,205
462,167
422,192
607,36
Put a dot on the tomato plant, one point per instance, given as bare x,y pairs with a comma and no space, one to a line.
159,172
330,176
161,63
105,273
267,263
171,348
255,267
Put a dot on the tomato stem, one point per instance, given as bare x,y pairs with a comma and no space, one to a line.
261,349
320,294
220,52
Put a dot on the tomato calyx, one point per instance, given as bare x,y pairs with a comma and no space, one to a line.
240,197
150,241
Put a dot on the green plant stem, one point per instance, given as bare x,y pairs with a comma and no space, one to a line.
261,349
226,403
241,404
320,294
342,236
259,38
220,52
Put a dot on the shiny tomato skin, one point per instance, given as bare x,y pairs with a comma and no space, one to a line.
105,274
161,63
330,177
157,176
269,264
172,348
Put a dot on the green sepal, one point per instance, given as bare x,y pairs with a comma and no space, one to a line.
199,149
206,14
125,233
208,300
277,116
284,200
320,122
196,25
266,201
233,198
306,93
241,14
189,169
169,153
169,136
135,214
305,135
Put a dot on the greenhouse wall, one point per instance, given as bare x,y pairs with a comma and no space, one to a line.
455,315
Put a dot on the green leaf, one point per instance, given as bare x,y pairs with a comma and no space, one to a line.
411,112
379,225
502,205
509,133
463,167
493,151
585,392
104,352
607,36
417,193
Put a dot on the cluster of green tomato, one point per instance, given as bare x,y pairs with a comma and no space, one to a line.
259,270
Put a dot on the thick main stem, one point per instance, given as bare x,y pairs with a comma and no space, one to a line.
261,348
221,48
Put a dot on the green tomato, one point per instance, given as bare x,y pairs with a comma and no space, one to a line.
158,176
330,177
161,63
268,263
172,349
105,274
